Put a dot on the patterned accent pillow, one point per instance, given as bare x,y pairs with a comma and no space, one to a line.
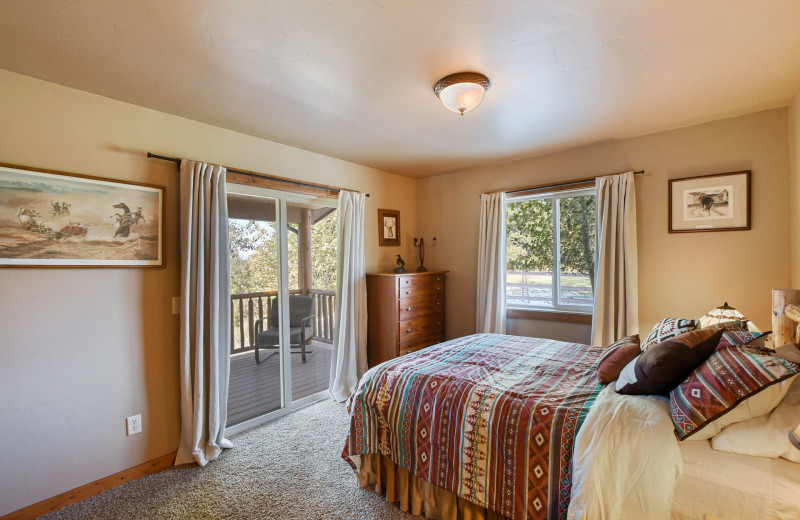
730,376
616,356
665,329
739,336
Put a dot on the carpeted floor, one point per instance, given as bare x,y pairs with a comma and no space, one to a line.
287,469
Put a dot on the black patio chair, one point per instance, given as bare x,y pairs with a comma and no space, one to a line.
300,314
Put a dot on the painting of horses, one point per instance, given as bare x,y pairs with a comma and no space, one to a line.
716,202
58,219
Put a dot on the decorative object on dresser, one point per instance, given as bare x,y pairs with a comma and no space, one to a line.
405,313
421,245
388,227
401,265
719,202
786,316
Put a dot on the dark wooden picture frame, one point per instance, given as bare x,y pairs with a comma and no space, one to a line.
388,234
50,218
716,202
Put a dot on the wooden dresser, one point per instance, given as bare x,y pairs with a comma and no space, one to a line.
406,313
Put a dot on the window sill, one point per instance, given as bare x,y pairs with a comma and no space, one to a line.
562,316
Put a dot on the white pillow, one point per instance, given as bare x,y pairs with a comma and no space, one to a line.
765,436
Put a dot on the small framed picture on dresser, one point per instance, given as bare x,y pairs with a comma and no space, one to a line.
388,227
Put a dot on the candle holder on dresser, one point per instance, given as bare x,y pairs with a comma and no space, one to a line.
420,243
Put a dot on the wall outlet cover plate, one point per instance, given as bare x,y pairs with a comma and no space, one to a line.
134,424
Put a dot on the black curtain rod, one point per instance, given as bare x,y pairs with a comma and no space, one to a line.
561,184
250,174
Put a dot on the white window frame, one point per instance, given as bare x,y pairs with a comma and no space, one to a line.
556,196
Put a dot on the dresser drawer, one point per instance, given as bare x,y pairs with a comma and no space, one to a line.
417,306
413,286
416,330
419,346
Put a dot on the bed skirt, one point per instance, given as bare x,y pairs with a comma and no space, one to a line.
380,474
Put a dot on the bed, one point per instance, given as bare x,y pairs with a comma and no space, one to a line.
487,426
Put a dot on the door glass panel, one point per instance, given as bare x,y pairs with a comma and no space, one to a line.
256,369
312,243
576,248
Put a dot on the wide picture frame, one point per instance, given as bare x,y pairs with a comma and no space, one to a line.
56,219
717,202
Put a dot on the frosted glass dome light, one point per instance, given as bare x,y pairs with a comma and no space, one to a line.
462,92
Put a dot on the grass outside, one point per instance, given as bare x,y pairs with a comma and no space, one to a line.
567,279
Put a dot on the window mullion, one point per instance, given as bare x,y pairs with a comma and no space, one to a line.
556,254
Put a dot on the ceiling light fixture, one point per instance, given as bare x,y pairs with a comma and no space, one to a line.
462,91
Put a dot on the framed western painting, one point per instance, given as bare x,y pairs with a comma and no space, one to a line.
718,202
57,219
388,227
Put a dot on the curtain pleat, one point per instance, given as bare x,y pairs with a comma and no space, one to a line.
616,304
205,313
349,357
491,279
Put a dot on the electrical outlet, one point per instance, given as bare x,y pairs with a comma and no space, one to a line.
176,305
134,423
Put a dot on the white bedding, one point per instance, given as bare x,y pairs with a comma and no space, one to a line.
627,464
626,459
717,484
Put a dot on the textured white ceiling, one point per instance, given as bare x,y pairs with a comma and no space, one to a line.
353,79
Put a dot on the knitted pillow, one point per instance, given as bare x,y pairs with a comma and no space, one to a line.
728,377
665,329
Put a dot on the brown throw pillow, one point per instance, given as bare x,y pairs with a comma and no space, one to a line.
616,356
664,366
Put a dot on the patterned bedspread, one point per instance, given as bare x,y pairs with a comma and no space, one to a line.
489,417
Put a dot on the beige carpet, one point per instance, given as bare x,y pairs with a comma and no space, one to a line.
287,469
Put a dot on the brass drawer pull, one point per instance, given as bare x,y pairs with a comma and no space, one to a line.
408,330
408,292
408,308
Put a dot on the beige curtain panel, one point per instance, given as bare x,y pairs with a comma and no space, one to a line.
205,313
616,301
491,300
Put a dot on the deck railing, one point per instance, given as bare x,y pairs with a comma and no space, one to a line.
248,308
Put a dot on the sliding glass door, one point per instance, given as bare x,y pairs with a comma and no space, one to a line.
283,269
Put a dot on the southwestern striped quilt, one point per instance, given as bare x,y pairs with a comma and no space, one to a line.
489,417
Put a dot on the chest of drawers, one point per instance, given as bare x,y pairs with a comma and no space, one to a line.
405,313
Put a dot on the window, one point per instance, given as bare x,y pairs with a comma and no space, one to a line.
550,251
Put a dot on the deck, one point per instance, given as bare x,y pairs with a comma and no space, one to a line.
255,389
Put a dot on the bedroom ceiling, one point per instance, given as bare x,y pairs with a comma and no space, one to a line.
353,79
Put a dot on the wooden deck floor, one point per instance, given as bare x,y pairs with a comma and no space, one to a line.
255,389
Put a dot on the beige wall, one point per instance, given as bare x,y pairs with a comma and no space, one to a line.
84,348
680,275
794,187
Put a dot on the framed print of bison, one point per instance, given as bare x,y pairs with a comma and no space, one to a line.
57,219
719,202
